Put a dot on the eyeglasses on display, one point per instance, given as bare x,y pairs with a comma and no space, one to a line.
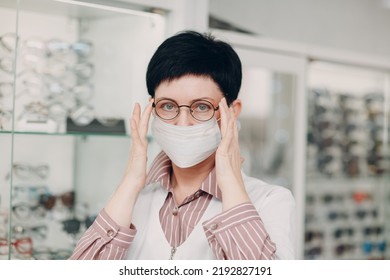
22,246
28,193
7,64
45,253
24,210
27,171
5,118
39,231
61,47
8,42
201,110
6,89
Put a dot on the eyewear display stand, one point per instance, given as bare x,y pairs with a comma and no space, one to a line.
114,126
348,170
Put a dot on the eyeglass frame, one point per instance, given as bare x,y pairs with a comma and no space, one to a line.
154,105
16,244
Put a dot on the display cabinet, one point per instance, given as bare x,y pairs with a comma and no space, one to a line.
70,73
326,114
348,163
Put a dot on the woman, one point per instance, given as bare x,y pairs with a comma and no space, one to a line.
195,202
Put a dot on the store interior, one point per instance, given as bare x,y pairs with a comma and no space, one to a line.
315,119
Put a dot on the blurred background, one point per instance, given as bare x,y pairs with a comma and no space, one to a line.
316,96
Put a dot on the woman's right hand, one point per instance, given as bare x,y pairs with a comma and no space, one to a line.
135,173
120,206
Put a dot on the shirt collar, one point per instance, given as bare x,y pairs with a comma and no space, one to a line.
160,171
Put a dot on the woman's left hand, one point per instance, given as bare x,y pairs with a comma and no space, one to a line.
228,160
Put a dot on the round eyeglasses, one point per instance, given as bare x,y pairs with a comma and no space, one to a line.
201,110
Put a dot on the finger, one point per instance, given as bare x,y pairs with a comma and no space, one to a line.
134,122
144,123
230,128
134,131
224,116
235,128
228,132
136,113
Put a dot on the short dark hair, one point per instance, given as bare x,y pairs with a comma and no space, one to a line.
193,53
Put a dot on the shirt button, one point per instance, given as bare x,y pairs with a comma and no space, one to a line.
110,233
198,194
213,226
175,211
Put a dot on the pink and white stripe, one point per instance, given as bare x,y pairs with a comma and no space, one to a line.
239,234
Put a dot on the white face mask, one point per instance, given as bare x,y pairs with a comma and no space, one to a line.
187,146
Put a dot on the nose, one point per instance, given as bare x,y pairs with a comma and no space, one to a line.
184,118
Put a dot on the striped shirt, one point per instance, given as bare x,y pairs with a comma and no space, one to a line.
241,233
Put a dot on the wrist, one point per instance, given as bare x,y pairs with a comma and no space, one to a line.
233,194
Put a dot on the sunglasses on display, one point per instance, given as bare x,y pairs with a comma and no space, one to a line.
368,247
311,235
73,225
334,215
313,251
376,230
340,232
363,213
332,198
342,249
359,196
48,201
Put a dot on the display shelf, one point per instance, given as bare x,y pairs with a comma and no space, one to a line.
81,134
348,171
71,78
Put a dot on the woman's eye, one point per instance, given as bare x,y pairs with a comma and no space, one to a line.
168,106
201,107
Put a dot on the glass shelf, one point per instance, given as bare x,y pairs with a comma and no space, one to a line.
81,134
75,60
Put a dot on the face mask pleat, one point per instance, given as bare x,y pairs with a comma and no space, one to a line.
187,146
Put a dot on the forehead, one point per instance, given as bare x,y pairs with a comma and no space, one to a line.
188,88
